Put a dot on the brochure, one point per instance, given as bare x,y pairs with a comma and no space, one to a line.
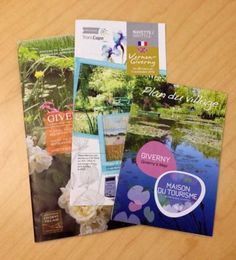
170,166
46,70
109,56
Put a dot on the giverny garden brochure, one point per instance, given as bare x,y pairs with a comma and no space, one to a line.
110,57
46,71
170,166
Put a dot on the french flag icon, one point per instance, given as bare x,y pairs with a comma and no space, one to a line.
142,43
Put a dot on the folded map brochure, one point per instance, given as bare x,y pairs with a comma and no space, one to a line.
170,165
109,57
46,70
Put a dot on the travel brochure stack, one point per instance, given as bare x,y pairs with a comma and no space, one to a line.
110,142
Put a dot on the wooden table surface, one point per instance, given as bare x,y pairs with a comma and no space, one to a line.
201,51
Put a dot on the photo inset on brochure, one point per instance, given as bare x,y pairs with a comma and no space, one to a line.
113,130
101,116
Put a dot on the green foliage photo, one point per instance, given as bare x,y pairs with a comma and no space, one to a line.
46,69
101,90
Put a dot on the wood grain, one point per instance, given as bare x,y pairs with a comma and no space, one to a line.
201,51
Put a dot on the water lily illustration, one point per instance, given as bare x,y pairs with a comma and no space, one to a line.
122,216
138,197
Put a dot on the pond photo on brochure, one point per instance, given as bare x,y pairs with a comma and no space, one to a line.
170,166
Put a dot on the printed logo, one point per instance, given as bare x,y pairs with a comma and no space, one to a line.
178,193
94,33
142,43
91,30
154,159
142,49
51,222
142,46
